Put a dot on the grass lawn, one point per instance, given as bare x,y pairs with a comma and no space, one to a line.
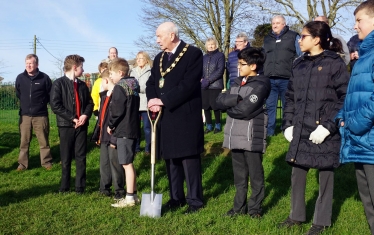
29,204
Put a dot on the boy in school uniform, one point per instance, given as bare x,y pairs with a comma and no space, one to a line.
71,102
245,131
356,118
110,169
125,125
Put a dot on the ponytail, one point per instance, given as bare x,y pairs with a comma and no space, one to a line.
336,45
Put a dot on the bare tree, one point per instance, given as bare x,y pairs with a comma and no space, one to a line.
332,9
197,20
59,65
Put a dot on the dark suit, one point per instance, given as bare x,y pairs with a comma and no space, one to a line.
181,138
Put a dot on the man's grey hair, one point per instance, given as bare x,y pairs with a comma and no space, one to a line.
281,17
173,29
243,35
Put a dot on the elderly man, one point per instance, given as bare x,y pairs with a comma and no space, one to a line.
33,88
174,87
241,42
346,57
281,47
113,53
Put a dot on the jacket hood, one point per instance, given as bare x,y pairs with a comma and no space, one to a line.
367,44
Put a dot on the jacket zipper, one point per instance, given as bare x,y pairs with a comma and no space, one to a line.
30,98
232,124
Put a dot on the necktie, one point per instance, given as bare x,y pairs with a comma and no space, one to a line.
77,103
170,54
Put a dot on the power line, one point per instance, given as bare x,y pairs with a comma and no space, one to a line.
45,49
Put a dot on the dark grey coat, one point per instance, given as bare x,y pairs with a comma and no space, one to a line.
247,119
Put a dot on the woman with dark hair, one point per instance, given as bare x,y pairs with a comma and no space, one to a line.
315,94
212,83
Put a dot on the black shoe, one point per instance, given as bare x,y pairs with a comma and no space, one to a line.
207,131
118,196
288,223
255,216
232,213
192,209
216,131
63,191
174,204
79,190
315,229
106,193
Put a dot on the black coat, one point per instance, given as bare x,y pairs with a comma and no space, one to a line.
213,69
315,94
33,94
63,101
181,125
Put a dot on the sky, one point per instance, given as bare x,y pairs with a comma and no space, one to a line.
85,27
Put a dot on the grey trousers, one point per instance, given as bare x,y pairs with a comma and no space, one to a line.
365,183
323,207
40,125
248,164
111,170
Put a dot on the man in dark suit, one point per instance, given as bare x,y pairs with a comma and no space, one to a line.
175,88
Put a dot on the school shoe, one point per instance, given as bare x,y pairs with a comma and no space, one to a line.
136,199
315,229
192,209
255,216
232,213
174,204
288,223
118,196
124,202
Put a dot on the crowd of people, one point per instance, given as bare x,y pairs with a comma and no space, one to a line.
328,115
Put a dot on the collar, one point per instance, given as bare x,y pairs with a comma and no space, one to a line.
175,48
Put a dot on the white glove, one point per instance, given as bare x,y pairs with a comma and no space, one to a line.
288,133
319,134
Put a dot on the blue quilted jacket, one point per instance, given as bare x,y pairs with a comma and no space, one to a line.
358,110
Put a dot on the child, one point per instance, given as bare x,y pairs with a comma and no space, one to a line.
315,94
245,130
110,169
97,88
72,104
357,115
124,124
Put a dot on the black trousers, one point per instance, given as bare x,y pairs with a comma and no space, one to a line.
111,170
73,144
244,164
365,183
323,207
188,168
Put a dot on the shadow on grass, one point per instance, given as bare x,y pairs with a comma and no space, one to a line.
279,181
9,141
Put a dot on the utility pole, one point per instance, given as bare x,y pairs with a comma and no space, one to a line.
35,44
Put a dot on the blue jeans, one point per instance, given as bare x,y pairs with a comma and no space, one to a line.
278,88
147,132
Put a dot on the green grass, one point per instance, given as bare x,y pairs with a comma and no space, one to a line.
29,204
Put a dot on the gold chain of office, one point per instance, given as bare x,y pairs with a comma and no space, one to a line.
174,63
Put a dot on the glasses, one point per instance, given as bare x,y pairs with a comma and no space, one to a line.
302,36
241,64
239,41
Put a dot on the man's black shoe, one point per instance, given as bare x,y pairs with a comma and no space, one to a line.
174,204
192,209
232,213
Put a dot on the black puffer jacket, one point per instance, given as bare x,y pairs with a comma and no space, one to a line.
33,94
315,94
213,69
63,101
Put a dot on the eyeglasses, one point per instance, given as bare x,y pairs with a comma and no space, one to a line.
241,64
239,41
302,36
